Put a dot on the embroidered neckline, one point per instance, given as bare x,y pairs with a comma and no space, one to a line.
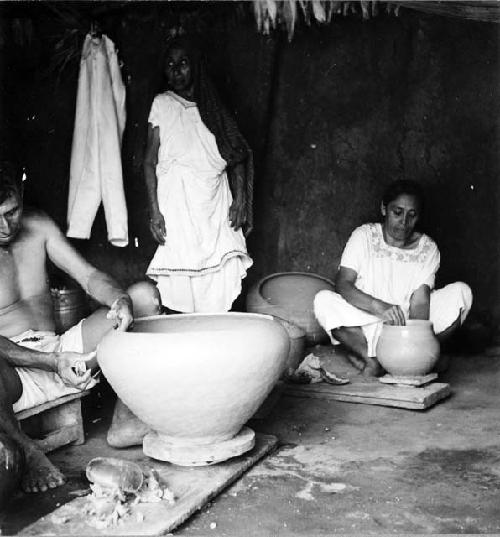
381,249
380,229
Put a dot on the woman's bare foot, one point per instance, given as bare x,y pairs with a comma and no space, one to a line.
373,368
40,474
357,362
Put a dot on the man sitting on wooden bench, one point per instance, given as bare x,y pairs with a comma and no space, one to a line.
37,366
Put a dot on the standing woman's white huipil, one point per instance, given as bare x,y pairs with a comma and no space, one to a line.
201,264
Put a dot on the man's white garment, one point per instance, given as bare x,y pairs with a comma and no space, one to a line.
201,264
390,274
96,167
40,386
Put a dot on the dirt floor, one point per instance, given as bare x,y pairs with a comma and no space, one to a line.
343,467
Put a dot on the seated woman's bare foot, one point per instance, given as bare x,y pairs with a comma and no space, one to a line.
357,362
40,474
373,368
126,428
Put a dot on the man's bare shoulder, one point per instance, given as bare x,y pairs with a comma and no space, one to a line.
39,223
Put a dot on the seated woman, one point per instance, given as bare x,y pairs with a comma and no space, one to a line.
387,274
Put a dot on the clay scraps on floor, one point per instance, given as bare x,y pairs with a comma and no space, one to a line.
105,507
311,371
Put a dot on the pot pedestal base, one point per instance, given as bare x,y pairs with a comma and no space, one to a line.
158,447
421,380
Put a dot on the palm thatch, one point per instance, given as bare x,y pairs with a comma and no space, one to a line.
271,14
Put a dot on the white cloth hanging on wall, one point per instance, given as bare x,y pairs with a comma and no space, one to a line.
96,167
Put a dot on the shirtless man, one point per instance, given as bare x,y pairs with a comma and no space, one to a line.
27,239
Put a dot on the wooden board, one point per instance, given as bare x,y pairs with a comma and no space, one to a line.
23,414
193,488
374,393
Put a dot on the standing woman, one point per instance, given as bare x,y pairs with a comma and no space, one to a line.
196,214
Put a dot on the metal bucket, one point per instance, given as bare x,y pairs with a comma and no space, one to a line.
70,307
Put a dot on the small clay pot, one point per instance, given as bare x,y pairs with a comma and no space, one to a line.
290,296
411,350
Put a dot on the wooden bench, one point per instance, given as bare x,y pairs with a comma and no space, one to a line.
55,423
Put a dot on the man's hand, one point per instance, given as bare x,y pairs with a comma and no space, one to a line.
237,213
390,313
72,368
121,313
157,227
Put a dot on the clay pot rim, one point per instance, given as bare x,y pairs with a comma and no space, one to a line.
216,314
293,273
261,316
410,323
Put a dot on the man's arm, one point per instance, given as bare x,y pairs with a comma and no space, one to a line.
19,356
345,286
420,303
97,284
68,365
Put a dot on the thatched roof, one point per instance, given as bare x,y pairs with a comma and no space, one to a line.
16,18
271,14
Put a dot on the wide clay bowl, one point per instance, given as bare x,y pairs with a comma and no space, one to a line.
411,350
195,378
290,295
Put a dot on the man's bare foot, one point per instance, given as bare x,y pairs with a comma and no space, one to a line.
126,428
40,474
373,368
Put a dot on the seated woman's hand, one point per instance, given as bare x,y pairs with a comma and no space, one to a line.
157,227
391,314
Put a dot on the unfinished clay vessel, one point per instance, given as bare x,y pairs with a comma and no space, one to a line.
411,350
290,295
195,379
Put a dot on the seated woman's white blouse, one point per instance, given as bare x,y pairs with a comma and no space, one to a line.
386,272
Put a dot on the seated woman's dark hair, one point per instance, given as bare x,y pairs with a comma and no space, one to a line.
401,187
11,183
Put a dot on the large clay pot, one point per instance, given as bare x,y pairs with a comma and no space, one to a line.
411,350
290,295
195,379
11,468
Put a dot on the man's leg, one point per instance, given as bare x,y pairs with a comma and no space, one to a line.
354,340
145,300
126,429
39,473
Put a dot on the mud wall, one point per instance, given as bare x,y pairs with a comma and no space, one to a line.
332,116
